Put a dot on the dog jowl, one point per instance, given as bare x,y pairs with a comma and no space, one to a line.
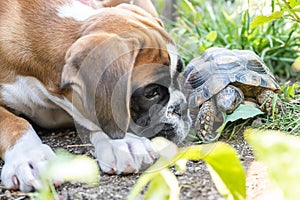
112,71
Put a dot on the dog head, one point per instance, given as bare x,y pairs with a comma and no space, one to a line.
123,74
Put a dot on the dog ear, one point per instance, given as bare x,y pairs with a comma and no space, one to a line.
98,68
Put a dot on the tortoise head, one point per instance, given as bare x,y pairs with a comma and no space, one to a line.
228,99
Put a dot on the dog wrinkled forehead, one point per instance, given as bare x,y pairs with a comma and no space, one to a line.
159,64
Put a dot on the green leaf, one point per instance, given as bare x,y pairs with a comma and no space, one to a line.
143,180
241,112
163,186
180,165
224,166
158,189
211,36
168,156
261,19
164,147
67,167
190,6
294,3
290,91
279,152
71,167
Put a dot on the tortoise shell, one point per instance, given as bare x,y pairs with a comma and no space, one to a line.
208,74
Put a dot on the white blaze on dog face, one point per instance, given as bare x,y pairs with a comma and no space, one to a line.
177,98
76,10
172,50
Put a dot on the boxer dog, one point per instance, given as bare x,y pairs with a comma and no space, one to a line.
112,71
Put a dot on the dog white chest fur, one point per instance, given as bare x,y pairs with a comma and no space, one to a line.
28,96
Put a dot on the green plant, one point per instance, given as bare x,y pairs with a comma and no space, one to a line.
223,164
201,25
289,9
289,118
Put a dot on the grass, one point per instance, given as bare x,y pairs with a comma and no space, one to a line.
289,120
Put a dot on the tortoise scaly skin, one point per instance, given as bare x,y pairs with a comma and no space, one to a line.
220,80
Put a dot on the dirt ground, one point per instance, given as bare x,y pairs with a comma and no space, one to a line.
195,183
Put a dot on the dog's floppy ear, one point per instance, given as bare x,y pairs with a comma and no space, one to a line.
98,68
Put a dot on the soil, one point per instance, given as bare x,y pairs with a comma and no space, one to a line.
195,183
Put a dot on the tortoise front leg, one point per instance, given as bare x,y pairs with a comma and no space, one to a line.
205,122
265,100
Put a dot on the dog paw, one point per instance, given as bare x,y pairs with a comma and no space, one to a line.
122,156
24,163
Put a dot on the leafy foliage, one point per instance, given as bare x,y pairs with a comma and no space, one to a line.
289,9
223,165
201,25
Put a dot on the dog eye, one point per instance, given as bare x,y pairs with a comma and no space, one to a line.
152,94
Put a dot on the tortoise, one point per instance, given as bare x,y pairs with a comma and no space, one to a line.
220,80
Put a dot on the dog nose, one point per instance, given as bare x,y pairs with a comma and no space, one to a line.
179,109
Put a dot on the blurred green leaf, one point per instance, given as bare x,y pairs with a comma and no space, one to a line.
296,64
166,149
290,90
71,167
211,36
294,3
158,189
164,186
66,167
141,183
279,152
261,19
224,166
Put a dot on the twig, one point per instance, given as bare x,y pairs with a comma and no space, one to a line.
79,145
